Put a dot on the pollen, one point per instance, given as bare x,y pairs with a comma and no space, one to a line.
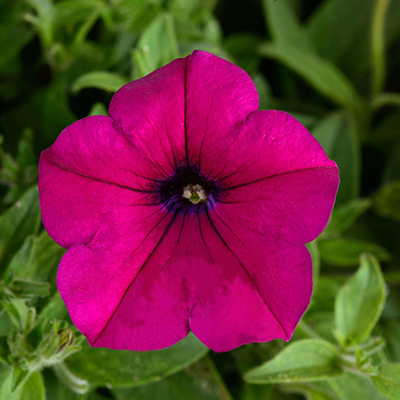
194,193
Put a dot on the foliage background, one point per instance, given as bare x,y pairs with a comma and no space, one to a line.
334,65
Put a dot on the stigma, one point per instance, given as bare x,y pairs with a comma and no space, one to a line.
194,193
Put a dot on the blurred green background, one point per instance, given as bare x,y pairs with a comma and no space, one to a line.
334,65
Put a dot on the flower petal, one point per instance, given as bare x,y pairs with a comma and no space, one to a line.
295,206
90,177
279,273
94,281
219,95
193,279
269,143
151,113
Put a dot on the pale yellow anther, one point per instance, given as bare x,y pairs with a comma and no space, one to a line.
194,193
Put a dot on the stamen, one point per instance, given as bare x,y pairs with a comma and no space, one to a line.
194,193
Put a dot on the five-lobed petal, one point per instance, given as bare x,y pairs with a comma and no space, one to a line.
140,273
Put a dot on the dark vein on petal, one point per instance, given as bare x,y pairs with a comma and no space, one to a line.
179,238
202,237
140,269
141,205
215,212
273,176
102,181
139,176
185,117
244,269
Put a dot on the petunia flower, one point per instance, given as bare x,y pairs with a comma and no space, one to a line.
186,209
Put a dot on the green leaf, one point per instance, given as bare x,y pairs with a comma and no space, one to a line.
98,109
32,389
105,80
12,38
56,390
308,393
195,11
6,325
343,216
388,381
314,251
70,12
350,387
156,47
301,361
321,74
337,135
22,288
5,370
133,368
264,91
18,222
55,308
336,24
71,381
345,252
46,111
200,381
44,22
340,30
36,259
45,257
360,301
18,377
387,201
283,24
16,311
392,169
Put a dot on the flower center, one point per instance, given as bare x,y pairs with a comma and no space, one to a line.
194,193
188,191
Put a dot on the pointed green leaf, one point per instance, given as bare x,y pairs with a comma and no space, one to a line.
387,201
16,311
343,216
34,261
70,12
337,135
98,109
200,381
25,289
283,24
105,80
44,22
345,252
388,381
18,222
194,11
360,301
157,46
12,38
314,251
321,74
264,91
32,389
350,387
134,368
18,377
302,361
340,31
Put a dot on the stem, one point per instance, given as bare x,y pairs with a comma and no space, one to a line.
385,99
378,45
307,330
70,380
390,277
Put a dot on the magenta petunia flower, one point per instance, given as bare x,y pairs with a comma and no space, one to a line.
186,209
